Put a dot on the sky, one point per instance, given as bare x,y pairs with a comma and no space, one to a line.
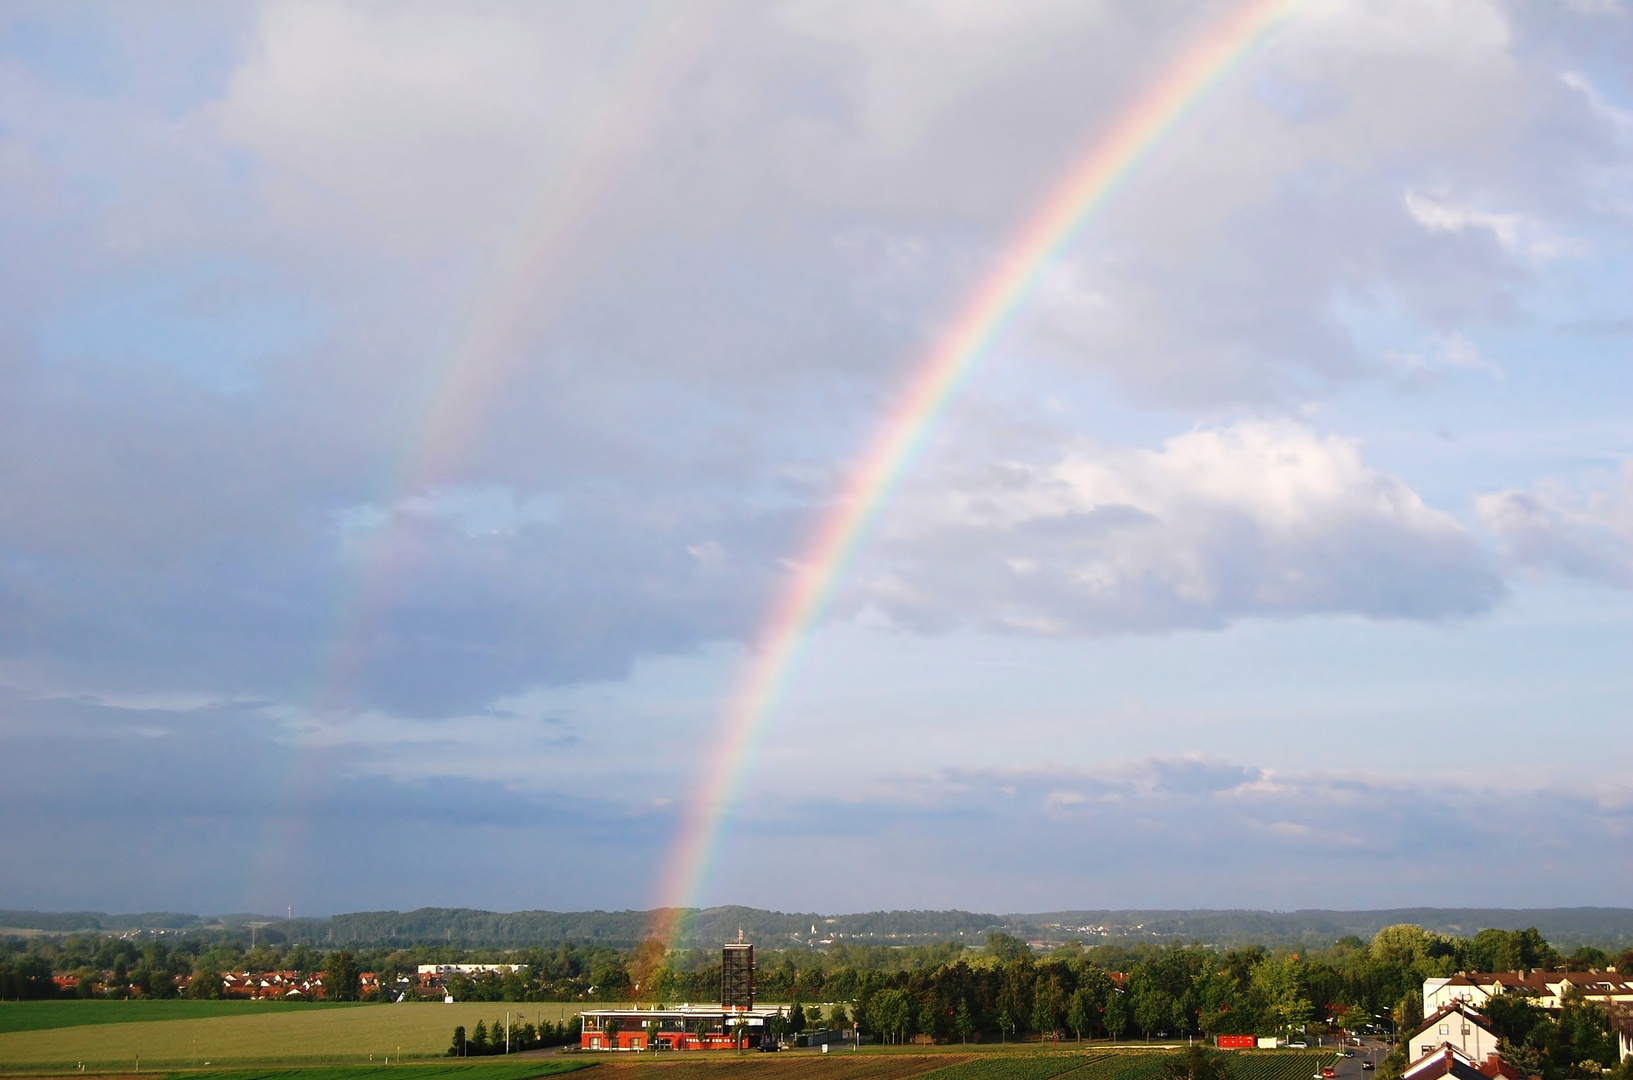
411,415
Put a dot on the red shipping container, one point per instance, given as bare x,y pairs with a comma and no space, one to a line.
1237,1042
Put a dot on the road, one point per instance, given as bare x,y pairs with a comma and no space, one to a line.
1350,1068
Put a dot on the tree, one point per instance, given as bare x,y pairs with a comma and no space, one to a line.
1006,1024
1197,1063
340,977
928,1019
609,1028
1154,1007
963,1022
701,1030
1043,1022
1278,990
796,1018
1006,948
457,1047
890,1012
206,982
739,1032
1080,1012
479,1039
1115,1014
837,1016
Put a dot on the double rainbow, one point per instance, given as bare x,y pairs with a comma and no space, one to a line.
1052,229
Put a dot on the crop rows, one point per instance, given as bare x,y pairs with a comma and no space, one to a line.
1017,1067
1280,1066
840,1066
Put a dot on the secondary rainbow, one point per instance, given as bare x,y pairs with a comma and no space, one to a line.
986,314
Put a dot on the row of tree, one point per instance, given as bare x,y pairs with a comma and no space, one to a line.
503,1038
1005,989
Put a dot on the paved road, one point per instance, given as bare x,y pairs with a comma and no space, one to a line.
1349,1068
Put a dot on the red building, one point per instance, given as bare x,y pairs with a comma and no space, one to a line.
690,1027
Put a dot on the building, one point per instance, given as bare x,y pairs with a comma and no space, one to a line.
1456,1025
734,1022
1444,1061
690,1027
446,970
1547,987
1621,1023
1439,993
737,974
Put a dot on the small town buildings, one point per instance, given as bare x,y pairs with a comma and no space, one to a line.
445,970
1547,987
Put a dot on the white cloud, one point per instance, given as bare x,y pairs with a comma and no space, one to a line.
1258,518
1585,530
1518,234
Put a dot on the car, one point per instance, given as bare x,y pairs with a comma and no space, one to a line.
1328,1072
1300,1045
1368,1065
1349,1053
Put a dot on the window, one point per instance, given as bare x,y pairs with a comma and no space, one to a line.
1444,1030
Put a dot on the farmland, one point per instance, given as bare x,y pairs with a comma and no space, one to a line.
43,1015
248,1033
452,1070
325,1042
869,1065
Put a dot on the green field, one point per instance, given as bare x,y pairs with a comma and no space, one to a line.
485,1070
41,1015
246,1033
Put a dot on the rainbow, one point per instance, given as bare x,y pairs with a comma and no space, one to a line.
1051,229
529,281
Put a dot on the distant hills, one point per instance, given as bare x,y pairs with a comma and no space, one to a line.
470,928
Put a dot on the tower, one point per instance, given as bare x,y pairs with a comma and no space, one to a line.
737,974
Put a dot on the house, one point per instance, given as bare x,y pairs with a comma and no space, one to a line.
1445,1061
1498,1069
1439,993
1621,1024
1456,1025
1547,987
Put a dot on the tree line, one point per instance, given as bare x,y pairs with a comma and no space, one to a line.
502,1038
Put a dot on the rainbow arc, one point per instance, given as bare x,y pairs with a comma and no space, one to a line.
1050,230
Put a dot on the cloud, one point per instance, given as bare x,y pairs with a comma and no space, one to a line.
161,823
1583,530
670,267
1517,234
1248,836
1259,518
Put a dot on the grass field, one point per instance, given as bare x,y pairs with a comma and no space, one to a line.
245,1033
42,1015
485,1070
